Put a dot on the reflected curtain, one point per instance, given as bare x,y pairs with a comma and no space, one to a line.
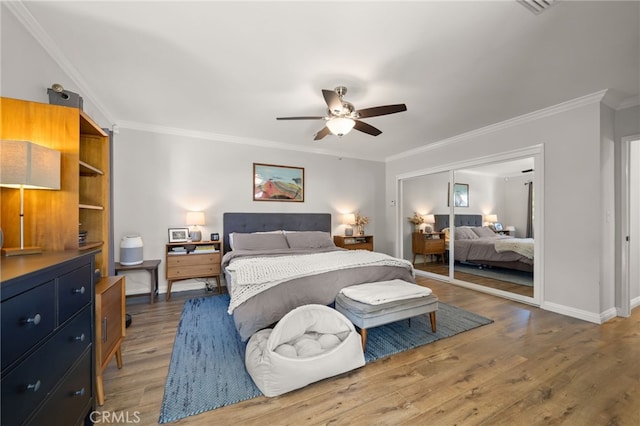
529,233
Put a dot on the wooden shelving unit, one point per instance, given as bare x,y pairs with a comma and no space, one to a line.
53,219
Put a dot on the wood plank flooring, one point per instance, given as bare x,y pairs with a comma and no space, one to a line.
439,268
530,367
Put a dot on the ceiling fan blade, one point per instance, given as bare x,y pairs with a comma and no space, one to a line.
366,128
333,101
309,117
381,110
321,133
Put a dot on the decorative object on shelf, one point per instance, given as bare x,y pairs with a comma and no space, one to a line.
497,226
417,220
430,220
360,222
460,195
178,235
25,165
278,183
348,219
131,250
195,219
59,96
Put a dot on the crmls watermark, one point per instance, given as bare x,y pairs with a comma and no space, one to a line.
119,417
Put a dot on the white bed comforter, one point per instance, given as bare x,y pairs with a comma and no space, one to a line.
523,246
254,275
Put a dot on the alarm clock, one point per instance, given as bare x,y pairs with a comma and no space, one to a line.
215,237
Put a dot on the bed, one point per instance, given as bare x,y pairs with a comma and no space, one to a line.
479,245
262,292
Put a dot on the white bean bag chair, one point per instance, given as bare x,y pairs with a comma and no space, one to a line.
308,344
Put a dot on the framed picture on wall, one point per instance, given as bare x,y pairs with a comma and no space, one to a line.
460,195
278,183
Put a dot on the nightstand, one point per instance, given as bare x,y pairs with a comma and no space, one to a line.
356,242
110,327
427,244
193,260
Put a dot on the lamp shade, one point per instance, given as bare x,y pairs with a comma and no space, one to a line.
429,218
195,218
349,219
32,166
491,218
340,126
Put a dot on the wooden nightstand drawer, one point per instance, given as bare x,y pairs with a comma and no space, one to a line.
192,259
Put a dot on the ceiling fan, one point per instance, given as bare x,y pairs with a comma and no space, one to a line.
342,116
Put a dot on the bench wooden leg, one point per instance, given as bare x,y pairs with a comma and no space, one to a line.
432,318
363,334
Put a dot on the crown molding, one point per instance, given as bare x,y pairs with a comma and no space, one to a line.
30,23
525,118
196,134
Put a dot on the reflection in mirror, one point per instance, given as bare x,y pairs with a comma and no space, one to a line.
423,198
493,243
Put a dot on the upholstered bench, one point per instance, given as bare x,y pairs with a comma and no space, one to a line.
375,304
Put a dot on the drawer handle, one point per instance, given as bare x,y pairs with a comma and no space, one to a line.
34,387
35,320
104,329
79,392
79,338
80,290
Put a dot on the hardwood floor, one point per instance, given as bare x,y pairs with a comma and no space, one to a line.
439,268
529,367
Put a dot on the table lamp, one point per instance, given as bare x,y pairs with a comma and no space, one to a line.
194,219
25,165
348,219
429,219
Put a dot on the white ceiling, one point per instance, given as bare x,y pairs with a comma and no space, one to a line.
225,70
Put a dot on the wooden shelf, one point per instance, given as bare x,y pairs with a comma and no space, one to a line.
90,207
90,245
89,170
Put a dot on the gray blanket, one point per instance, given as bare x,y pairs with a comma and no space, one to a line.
268,307
483,249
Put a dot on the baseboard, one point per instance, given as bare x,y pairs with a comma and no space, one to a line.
635,302
573,312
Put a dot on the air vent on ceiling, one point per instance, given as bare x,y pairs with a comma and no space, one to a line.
537,6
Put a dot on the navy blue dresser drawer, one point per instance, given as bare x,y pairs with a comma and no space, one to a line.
32,380
74,291
26,320
70,400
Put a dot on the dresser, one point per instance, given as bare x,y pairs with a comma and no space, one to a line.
47,338
428,244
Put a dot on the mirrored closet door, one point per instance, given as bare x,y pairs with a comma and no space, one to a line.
474,226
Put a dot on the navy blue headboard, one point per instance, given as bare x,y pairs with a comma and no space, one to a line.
261,222
442,220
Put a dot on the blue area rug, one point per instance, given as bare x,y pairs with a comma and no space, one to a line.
207,369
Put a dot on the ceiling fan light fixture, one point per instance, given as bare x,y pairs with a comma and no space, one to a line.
340,126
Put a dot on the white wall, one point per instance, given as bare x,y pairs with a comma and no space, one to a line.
571,140
159,177
634,224
28,70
